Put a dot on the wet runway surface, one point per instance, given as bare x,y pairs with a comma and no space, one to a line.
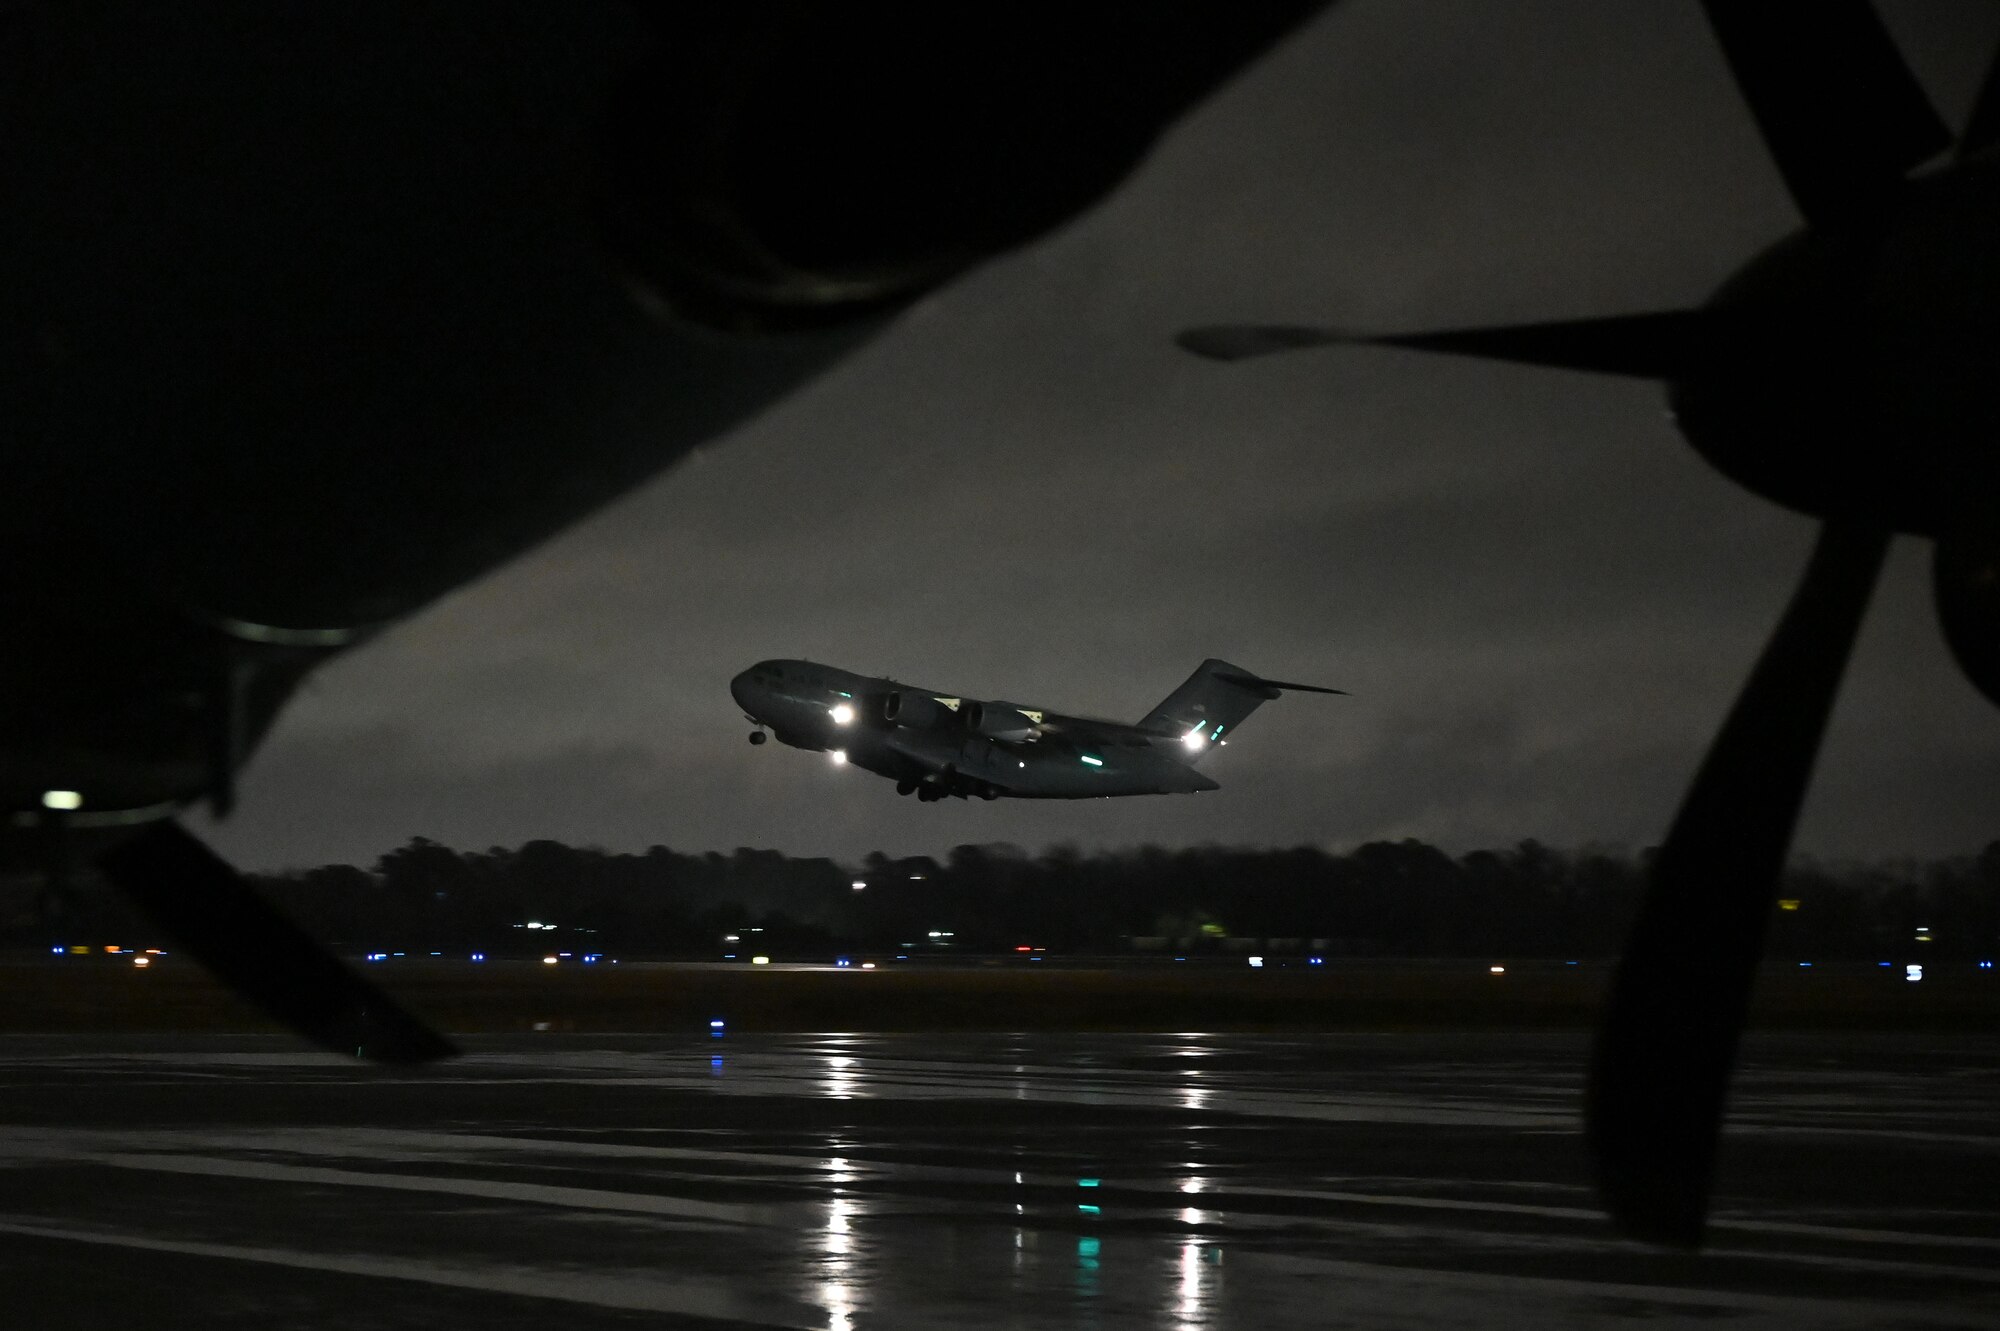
848,1182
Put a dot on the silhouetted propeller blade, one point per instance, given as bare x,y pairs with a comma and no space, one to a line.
214,916
1660,1071
1651,346
1965,581
1839,110
1983,129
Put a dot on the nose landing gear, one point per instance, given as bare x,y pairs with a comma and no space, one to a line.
758,737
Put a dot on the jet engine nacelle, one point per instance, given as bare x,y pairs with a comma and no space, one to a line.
997,720
913,708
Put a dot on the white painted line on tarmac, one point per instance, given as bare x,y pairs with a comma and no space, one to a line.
595,1288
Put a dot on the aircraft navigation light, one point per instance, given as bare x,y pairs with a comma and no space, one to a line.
61,799
1094,762
843,715
1496,970
839,756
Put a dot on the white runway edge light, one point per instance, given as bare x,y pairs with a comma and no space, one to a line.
62,799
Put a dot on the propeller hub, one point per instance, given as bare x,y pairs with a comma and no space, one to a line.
1849,375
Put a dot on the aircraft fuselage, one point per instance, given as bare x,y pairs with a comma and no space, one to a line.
936,744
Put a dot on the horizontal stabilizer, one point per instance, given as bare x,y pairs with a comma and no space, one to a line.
1273,685
1243,341
1649,346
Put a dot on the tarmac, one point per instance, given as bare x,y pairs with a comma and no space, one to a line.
970,1181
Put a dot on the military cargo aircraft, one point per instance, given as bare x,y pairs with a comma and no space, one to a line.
935,745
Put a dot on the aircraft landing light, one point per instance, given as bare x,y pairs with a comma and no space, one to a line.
839,756
843,715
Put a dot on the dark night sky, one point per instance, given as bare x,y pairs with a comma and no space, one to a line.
1542,600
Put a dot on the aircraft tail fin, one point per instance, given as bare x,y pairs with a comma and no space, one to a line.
1215,700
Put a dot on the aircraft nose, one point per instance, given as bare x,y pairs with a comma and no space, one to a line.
739,689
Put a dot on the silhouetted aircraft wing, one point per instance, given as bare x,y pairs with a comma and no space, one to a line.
316,313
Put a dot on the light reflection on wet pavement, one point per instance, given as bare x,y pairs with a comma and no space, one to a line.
848,1182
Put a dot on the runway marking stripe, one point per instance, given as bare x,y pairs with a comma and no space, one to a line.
595,1199
1823,1311
595,1288
1836,1232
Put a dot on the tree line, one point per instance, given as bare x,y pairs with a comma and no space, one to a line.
1402,898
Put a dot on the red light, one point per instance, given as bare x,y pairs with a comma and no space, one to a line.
1024,948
